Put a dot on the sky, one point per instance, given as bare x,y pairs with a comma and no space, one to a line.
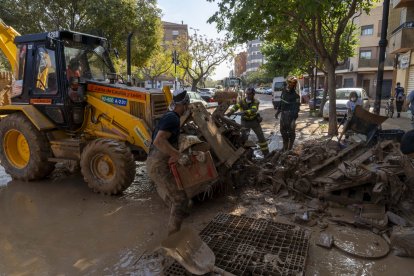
195,14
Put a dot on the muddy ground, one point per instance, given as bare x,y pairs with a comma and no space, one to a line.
59,227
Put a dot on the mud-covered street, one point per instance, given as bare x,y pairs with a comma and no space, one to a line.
60,227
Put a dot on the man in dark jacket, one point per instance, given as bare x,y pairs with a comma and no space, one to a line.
164,150
289,107
250,118
399,98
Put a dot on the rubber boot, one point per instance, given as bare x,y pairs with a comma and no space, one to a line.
176,219
285,144
398,115
290,144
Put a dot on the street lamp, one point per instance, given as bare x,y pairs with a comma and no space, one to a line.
176,62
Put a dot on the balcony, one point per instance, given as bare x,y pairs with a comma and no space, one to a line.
402,38
373,63
402,3
344,66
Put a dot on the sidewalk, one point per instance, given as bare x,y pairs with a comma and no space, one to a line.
404,122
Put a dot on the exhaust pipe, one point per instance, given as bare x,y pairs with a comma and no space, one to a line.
129,77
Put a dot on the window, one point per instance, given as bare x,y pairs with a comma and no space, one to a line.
19,73
46,81
175,34
365,54
367,30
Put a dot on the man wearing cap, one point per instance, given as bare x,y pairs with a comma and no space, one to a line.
250,118
289,107
164,150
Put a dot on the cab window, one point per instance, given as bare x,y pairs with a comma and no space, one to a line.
46,80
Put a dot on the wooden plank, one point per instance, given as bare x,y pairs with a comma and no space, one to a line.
222,148
333,159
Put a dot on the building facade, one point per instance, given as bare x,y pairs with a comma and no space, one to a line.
240,62
255,57
361,69
172,31
401,41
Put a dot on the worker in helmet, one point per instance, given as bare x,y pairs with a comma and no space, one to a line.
164,150
289,107
44,67
251,119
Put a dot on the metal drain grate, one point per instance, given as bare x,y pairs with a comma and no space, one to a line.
246,246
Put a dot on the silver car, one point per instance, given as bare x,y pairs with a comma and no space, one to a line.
342,97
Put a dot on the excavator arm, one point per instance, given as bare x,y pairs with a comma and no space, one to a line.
7,46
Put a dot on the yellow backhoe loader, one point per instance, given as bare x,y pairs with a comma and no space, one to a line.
68,105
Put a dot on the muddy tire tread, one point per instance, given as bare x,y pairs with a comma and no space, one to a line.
38,167
123,159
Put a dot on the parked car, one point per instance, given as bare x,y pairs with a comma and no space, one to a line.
319,96
210,91
268,91
260,90
195,97
342,97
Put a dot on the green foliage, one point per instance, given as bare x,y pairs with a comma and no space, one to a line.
259,77
325,26
157,65
113,19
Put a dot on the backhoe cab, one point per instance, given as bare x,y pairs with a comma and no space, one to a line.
67,105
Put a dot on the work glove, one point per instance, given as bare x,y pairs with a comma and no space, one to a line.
184,160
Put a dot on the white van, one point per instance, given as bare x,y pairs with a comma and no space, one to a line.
277,87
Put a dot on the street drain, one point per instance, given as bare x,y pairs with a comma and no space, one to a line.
246,246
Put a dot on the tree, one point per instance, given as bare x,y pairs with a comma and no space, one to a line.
258,77
158,65
321,24
199,56
113,19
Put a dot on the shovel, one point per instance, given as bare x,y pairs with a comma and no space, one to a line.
187,248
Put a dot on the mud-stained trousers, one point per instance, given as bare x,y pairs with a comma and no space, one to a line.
255,125
287,128
159,172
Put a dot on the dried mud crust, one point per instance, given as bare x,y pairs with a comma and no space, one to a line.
38,166
122,160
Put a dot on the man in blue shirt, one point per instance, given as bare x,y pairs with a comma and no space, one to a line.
164,150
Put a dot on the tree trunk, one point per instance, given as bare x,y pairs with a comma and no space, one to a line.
194,85
332,130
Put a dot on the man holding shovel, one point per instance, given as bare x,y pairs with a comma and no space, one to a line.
164,150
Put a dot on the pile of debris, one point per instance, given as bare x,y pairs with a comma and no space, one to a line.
375,183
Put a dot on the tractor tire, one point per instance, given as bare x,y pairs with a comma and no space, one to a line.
24,150
108,166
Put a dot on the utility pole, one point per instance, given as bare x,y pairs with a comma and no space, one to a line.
176,62
383,46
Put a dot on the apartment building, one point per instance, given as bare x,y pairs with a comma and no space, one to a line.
401,41
173,31
361,69
255,57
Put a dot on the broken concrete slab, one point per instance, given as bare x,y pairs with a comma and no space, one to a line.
325,240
